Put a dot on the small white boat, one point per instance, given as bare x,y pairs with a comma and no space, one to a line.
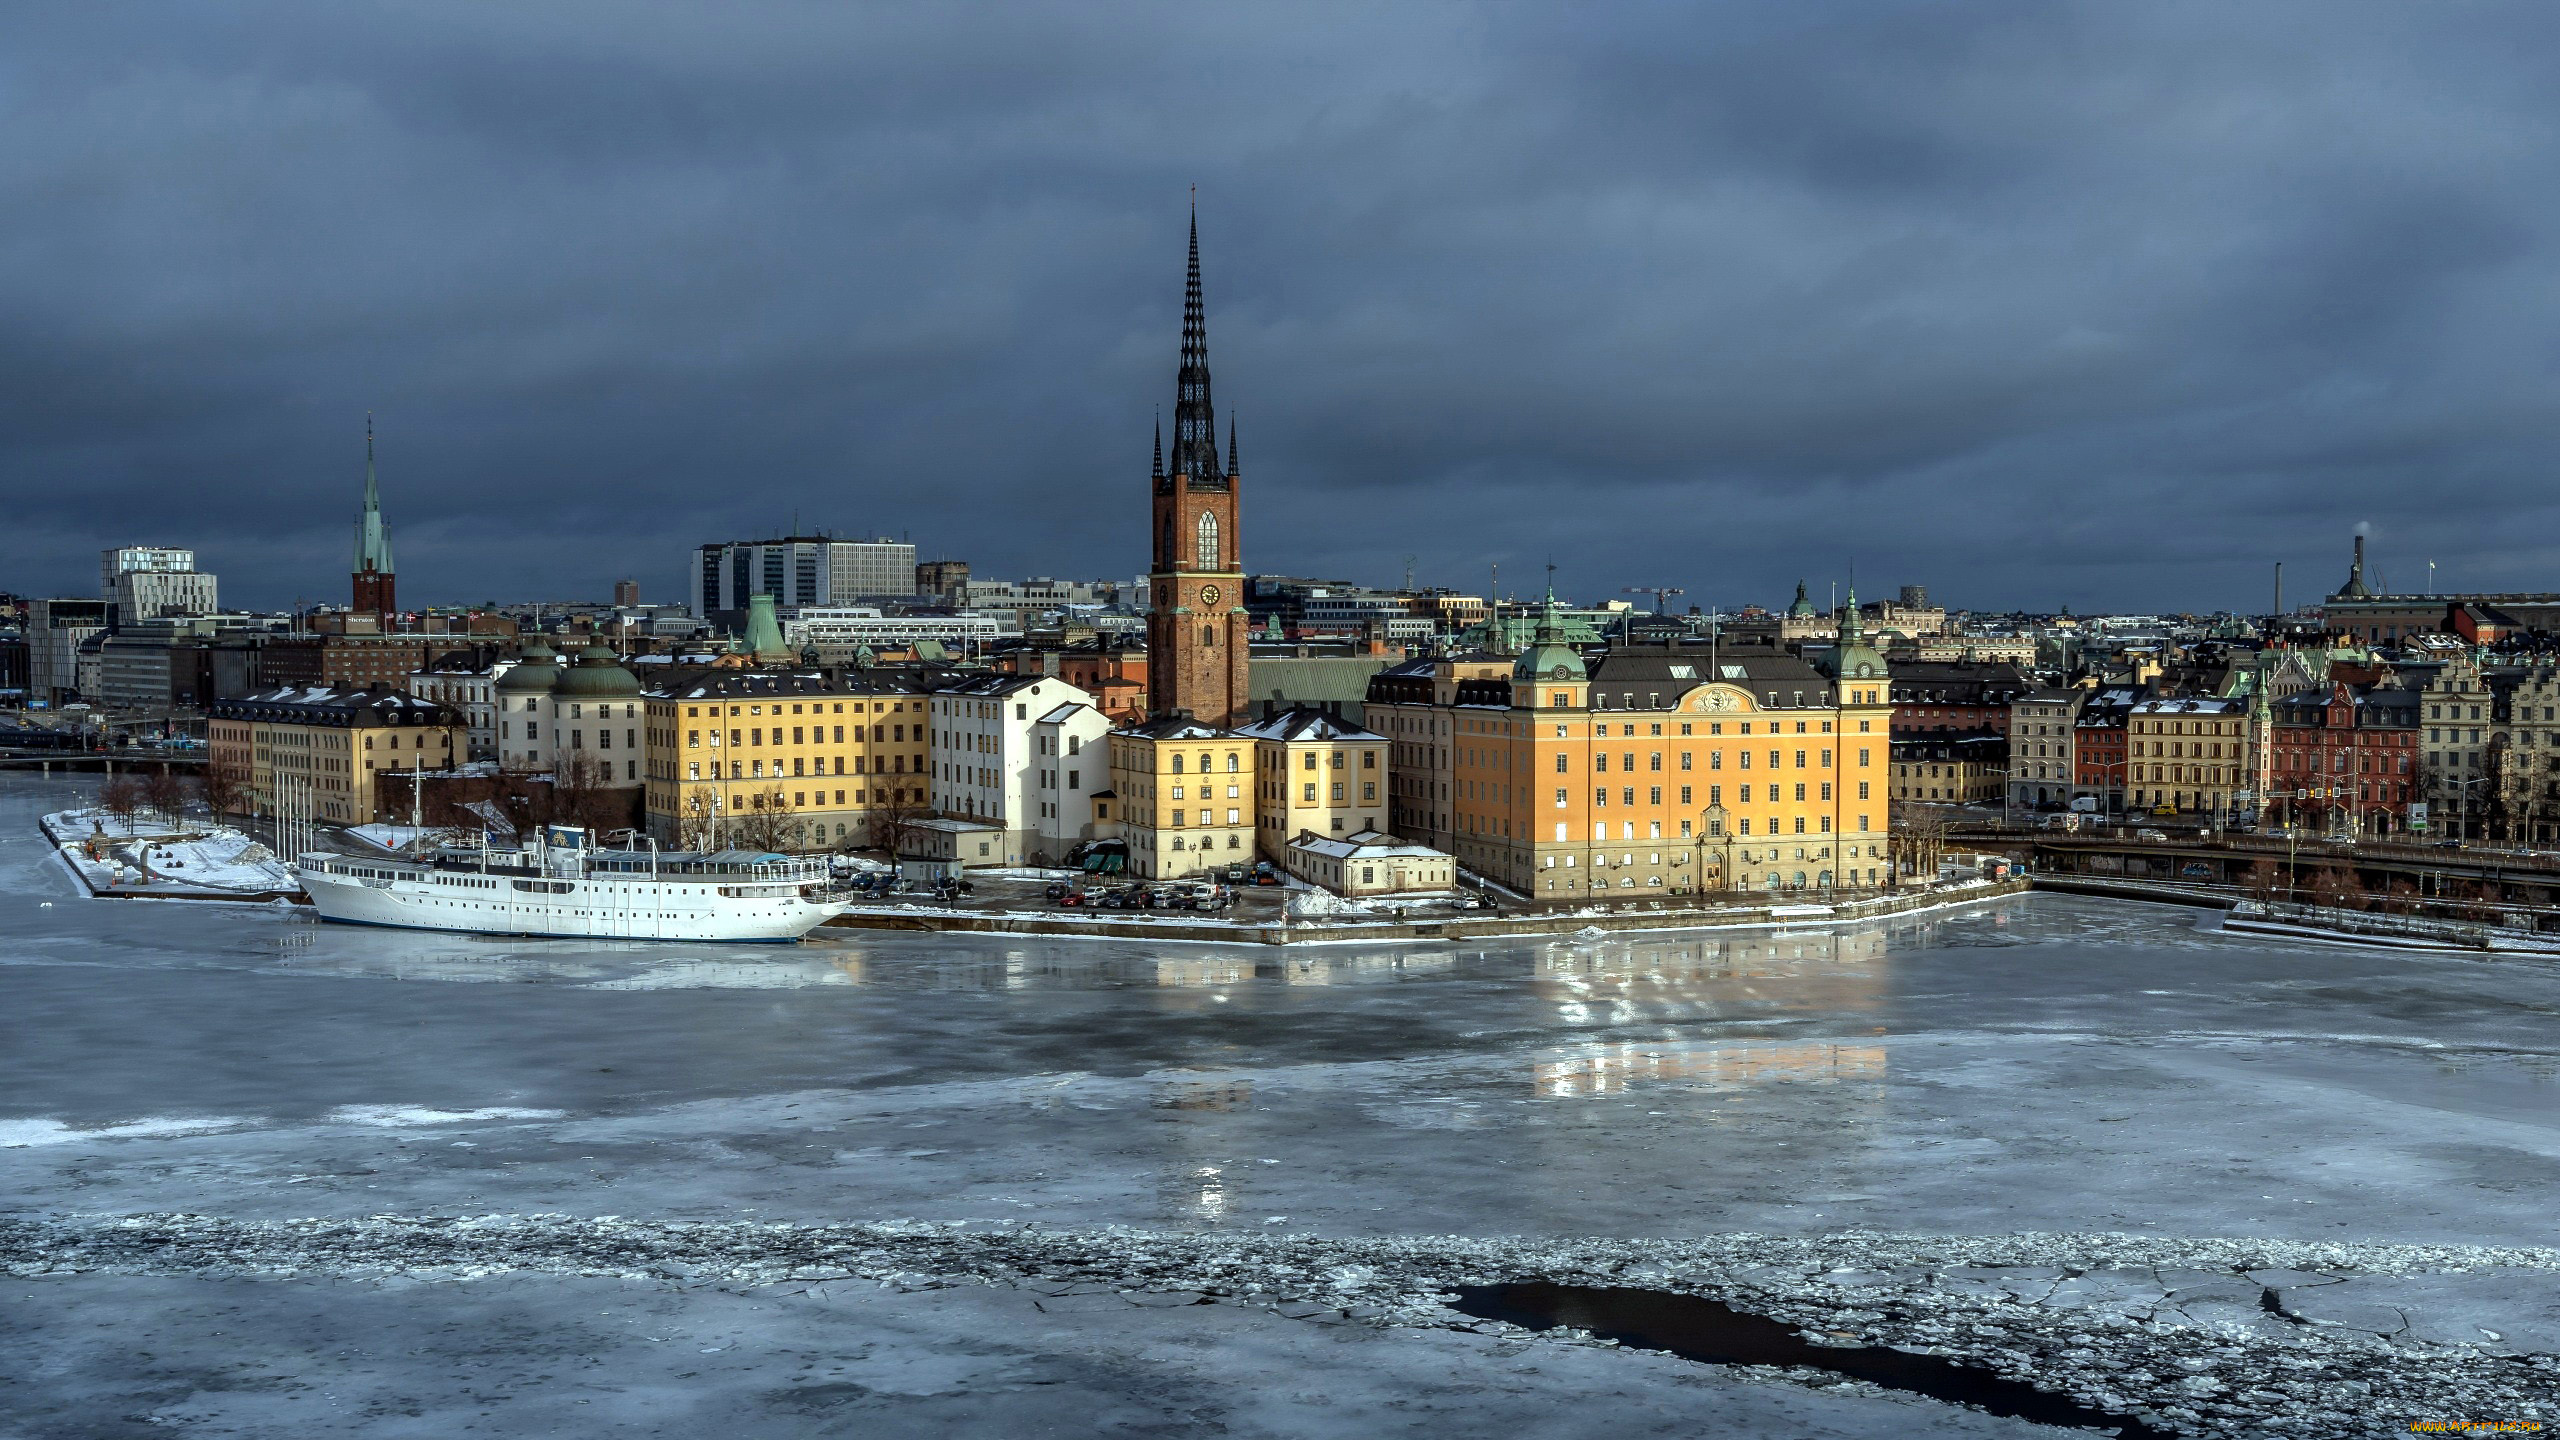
560,884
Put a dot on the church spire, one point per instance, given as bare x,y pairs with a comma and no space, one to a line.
1157,470
372,587
373,539
1233,469
1195,420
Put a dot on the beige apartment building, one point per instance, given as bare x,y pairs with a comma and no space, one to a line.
1315,773
1180,798
327,747
800,761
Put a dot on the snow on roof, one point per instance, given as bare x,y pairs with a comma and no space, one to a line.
1365,845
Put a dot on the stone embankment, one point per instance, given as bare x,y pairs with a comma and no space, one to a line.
1658,915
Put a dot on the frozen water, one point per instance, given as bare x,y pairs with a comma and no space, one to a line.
2093,1077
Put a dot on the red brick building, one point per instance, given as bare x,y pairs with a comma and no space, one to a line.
1939,698
2344,758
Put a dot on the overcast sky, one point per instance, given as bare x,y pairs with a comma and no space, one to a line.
2033,303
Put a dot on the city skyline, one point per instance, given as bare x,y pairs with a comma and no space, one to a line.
1717,301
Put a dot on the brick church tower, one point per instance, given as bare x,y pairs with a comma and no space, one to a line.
373,583
1197,629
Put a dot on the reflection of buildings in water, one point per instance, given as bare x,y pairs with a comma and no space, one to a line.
1320,968
1621,980
1202,1169
1199,1192
1197,971
732,975
1712,1065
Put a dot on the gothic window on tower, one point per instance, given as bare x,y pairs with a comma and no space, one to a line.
1208,546
1209,637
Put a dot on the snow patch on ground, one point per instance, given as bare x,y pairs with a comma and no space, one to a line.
390,1116
24,1134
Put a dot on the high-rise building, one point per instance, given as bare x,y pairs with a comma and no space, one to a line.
1197,629
55,629
626,593
798,570
128,559
373,570
147,582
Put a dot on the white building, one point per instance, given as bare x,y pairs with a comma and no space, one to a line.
986,755
865,625
1071,749
550,715
1368,864
146,582
142,596
799,570
470,689
1036,595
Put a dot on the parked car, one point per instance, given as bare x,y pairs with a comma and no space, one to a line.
2150,835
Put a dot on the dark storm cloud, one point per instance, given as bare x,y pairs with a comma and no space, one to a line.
2116,305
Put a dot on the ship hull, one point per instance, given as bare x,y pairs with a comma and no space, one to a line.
590,909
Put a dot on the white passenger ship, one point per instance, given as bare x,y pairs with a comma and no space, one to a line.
561,884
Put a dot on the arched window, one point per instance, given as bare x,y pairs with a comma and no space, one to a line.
1209,637
1207,548
1164,549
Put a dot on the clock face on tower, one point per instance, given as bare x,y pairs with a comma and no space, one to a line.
1209,594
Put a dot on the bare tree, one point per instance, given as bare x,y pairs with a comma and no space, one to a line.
1919,841
894,814
2266,881
122,798
524,800
223,786
2337,887
765,822
698,821
164,791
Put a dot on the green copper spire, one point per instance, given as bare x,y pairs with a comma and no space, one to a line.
764,632
373,538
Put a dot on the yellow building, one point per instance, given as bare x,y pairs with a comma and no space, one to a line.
798,761
1938,771
1677,770
1315,773
2198,755
1180,798
328,747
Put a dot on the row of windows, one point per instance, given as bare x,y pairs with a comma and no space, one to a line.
878,707
801,765
756,735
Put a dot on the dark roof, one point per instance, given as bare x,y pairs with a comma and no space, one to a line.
319,705
1302,723
716,683
1173,727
